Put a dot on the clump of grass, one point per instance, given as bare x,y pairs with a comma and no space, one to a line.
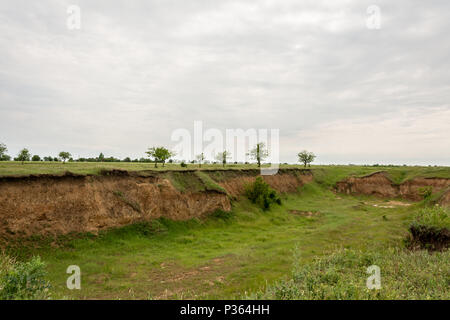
430,229
260,193
343,275
426,192
209,183
222,215
131,203
23,280
436,216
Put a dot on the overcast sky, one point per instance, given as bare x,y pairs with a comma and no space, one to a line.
138,70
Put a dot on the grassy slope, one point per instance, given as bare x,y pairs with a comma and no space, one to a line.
328,175
222,258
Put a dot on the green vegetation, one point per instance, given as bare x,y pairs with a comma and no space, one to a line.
159,154
223,157
306,157
64,155
260,193
325,175
404,275
23,280
209,183
249,250
435,217
259,153
430,229
220,257
24,155
200,158
3,151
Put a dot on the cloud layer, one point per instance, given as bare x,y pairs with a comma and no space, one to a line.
136,71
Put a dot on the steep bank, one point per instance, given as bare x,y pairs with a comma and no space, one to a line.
379,184
53,205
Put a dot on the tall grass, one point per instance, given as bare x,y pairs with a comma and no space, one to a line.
342,275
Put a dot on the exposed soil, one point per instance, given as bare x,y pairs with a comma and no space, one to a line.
305,213
69,203
379,184
431,238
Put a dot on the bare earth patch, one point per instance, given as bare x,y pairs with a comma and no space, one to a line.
305,213
389,204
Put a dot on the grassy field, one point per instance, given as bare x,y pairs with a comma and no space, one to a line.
225,256
328,174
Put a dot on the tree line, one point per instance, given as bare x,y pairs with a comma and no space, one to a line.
155,155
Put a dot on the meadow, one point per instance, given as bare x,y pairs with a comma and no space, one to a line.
327,174
248,252
225,256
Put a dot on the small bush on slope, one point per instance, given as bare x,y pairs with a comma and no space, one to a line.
342,275
430,229
23,280
260,193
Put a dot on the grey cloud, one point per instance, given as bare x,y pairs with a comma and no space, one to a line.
138,70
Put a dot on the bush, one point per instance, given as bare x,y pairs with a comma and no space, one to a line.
184,165
426,192
260,193
23,280
438,217
430,229
36,158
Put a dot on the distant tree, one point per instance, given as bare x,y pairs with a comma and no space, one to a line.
306,157
159,154
35,158
24,155
64,155
101,157
259,153
127,159
200,158
55,159
223,156
3,151
48,158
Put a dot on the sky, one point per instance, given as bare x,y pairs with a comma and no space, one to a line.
321,72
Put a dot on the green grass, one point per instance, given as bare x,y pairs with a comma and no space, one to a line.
434,217
343,274
8,168
326,175
220,257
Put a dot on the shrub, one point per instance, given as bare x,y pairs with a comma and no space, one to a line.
23,280
260,193
36,158
426,192
183,164
430,229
